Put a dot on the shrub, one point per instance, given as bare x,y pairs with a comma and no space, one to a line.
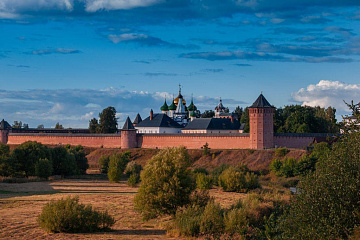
117,165
203,181
133,168
252,180
166,183
217,171
200,198
133,180
68,215
187,220
275,166
200,170
232,180
104,164
305,165
43,168
235,221
80,158
288,168
212,220
320,150
281,152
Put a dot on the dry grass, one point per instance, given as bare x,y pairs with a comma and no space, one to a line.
20,205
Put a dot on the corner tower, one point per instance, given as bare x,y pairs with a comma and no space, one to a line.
261,119
4,131
128,135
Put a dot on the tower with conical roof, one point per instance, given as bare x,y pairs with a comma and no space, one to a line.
128,135
261,119
4,131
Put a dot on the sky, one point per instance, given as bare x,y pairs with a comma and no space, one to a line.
66,60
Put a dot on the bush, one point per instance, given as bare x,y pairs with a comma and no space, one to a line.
80,158
133,180
212,220
200,198
275,167
166,183
288,168
187,220
133,168
68,215
236,221
117,165
64,163
305,165
232,180
281,152
43,168
217,171
320,150
104,164
203,181
252,180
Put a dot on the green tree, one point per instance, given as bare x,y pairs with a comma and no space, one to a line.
238,111
94,126
80,158
64,163
245,119
59,126
166,183
208,114
26,155
117,165
328,204
104,163
17,124
43,168
108,120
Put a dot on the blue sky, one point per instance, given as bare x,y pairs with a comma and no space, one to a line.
65,60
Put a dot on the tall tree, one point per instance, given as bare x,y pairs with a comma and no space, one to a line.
59,126
238,111
94,126
108,120
17,124
245,119
208,114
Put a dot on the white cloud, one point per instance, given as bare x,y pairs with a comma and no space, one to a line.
95,5
329,93
126,37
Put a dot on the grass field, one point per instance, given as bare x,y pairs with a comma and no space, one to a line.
21,204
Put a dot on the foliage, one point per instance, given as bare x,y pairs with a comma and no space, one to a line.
275,166
59,126
203,181
64,163
217,172
212,220
281,152
80,158
252,181
117,165
4,150
26,155
238,111
305,165
208,114
329,198
187,220
68,215
206,149
133,180
43,168
94,126
166,183
133,168
200,170
238,179
245,118
108,120
305,119
236,221
104,163
320,150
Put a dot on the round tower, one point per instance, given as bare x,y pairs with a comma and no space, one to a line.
128,135
261,119
4,131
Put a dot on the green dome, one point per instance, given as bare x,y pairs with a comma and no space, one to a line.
172,106
164,107
192,106
192,114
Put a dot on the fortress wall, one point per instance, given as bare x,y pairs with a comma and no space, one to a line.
55,139
193,141
292,141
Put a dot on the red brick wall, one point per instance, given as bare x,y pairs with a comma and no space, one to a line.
87,141
292,142
193,141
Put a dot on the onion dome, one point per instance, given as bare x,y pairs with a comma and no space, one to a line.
172,107
192,114
176,100
192,106
164,107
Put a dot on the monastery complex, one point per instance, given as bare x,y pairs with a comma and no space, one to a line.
176,125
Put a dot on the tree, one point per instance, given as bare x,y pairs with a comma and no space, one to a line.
108,120
43,168
41,126
238,111
166,183
80,158
104,164
117,165
59,126
17,124
64,163
94,126
208,114
245,119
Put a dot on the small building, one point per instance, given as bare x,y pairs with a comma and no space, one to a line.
214,125
158,123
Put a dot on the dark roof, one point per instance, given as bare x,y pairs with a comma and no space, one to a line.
213,124
128,125
261,102
137,119
4,125
159,120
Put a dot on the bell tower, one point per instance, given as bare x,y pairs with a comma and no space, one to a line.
261,119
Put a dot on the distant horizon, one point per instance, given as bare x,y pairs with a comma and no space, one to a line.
66,60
